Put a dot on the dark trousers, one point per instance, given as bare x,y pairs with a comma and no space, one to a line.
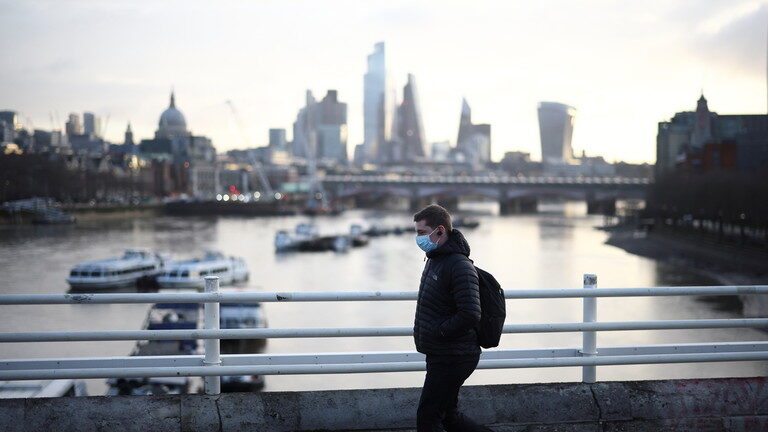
438,405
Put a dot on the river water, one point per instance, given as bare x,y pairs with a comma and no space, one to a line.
551,249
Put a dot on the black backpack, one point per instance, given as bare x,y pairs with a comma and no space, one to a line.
493,310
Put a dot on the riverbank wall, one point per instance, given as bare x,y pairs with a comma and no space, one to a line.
89,212
83,213
721,404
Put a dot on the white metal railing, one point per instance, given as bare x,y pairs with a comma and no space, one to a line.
212,365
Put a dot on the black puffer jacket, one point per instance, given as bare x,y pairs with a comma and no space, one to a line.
448,307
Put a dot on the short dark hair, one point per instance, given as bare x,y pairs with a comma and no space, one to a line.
434,215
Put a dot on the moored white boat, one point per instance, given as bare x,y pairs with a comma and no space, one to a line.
356,236
306,238
163,316
242,383
285,240
191,273
116,272
148,386
242,316
187,316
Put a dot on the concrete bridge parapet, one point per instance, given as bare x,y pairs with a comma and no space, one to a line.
722,404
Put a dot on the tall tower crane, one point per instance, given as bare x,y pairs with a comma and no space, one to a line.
269,192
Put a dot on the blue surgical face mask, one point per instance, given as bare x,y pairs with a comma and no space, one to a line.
425,243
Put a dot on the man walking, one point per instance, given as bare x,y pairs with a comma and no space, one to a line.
447,311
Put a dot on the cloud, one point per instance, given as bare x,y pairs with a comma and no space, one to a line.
738,45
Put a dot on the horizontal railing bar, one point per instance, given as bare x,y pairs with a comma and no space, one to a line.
371,367
19,299
364,357
267,333
222,297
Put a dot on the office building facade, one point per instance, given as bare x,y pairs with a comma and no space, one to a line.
376,106
320,129
474,140
556,132
410,125
703,140
91,124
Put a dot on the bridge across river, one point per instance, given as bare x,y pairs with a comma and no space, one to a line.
738,404
514,194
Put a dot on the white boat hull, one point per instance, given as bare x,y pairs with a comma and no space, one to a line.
94,283
180,284
191,274
116,272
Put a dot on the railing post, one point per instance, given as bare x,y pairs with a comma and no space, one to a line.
589,341
212,346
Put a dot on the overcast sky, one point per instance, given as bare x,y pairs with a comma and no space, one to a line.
623,65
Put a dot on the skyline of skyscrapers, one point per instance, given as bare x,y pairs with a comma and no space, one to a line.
394,133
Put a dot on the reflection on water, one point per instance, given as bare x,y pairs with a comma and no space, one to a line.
548,250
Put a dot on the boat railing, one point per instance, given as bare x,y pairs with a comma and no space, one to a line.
212,365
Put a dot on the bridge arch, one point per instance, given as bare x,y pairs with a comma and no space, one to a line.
375,190
448,191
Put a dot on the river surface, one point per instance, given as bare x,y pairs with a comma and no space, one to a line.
551,249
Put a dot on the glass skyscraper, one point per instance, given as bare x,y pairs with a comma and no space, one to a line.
375,105
556,130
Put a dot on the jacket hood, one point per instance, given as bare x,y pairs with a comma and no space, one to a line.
456,244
